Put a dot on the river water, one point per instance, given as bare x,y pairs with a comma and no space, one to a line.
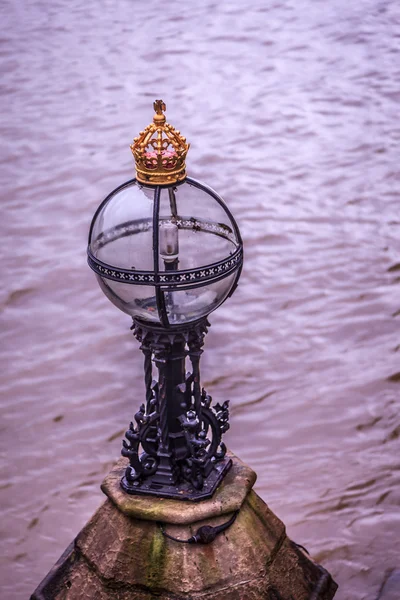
291,108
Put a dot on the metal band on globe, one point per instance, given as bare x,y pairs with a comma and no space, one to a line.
173,279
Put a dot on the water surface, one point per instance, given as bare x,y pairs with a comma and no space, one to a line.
292,109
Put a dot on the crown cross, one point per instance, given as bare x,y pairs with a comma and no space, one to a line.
160,151
159,107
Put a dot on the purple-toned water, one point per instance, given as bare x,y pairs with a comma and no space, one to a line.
292,111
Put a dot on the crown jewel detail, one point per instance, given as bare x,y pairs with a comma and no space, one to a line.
160,151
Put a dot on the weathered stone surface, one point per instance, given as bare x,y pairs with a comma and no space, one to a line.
134,551
228,498
120,557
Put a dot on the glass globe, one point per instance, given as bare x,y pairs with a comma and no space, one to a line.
169,255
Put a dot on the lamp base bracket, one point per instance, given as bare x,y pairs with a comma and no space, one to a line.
183,491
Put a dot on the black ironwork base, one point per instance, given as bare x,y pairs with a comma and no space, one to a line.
184,490
174,445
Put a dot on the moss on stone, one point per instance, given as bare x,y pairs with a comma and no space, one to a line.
156,560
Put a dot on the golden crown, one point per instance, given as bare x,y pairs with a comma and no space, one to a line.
160,151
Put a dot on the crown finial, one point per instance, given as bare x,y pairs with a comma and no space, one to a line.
159,106
160,151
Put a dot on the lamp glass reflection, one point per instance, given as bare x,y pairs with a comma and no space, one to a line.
193,231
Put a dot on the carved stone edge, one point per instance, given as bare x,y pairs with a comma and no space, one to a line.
228,497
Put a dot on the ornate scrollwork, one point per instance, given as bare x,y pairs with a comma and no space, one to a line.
141,442
182,449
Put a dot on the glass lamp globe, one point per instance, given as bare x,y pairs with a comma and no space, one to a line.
165,254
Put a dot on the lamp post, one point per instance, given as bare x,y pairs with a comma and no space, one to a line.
167,251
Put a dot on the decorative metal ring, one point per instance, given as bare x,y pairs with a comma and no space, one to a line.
169,279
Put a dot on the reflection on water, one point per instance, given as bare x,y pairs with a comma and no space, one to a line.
292,112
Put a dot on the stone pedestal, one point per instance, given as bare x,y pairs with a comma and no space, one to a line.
122,553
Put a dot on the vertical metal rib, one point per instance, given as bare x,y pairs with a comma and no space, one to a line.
172,202
195,352
196,383
148,375
160,300
161,365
